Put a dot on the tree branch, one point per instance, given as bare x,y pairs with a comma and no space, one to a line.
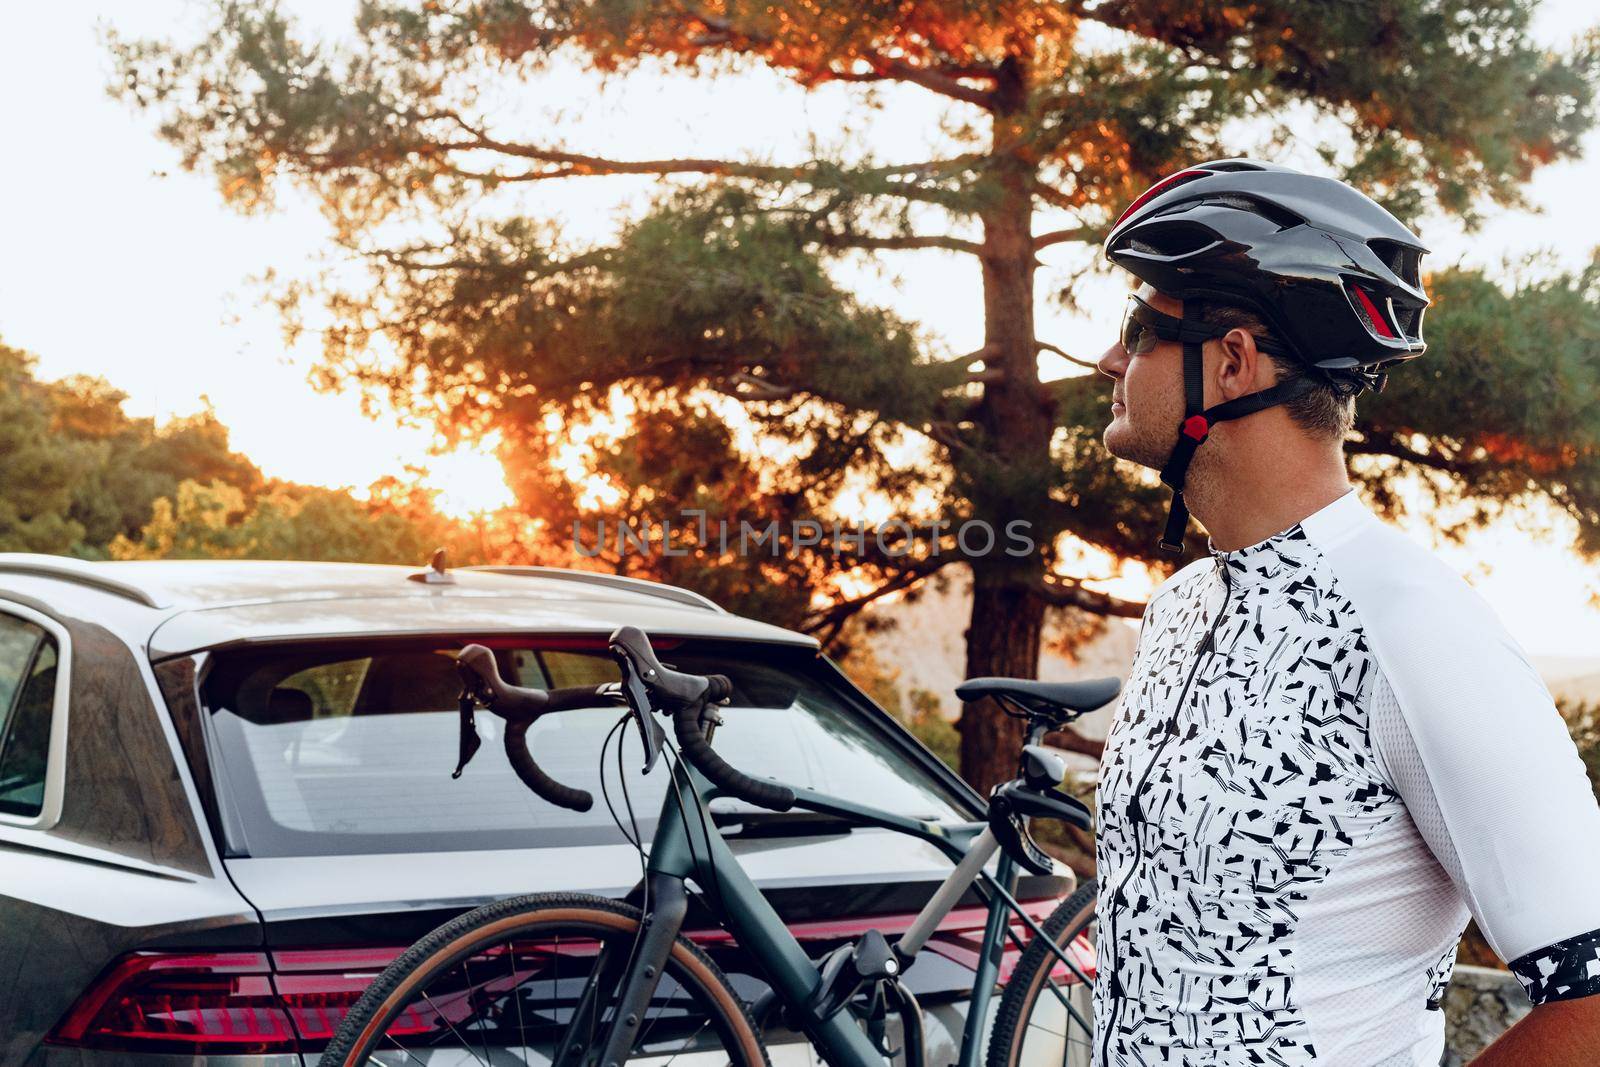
751,388
938,81
909,241
1046,346
1066,593
949,435
833,617
1054,197
1055,237
745,386
1073,741
1370,444
575,164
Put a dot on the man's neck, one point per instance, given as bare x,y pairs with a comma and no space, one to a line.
1242,507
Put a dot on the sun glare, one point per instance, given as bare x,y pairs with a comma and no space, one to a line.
470,480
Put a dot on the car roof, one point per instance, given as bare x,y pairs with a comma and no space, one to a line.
188,605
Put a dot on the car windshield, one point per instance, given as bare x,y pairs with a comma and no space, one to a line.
338,749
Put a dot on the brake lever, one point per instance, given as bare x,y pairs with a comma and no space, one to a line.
638,698
470,742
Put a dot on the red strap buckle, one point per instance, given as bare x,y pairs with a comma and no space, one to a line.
1196,427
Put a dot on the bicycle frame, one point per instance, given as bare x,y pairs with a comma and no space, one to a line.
688,845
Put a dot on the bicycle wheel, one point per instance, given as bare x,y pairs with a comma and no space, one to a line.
533,982
1046,1014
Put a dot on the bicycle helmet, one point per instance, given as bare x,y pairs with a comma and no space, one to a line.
1330,271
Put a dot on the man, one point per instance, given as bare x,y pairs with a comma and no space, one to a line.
1329,755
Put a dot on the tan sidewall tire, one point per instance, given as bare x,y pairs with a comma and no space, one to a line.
1016,1002
461,937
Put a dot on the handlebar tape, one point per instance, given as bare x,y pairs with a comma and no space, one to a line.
564,796
698,751
520,706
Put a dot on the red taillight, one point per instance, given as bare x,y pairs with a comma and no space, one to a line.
245,1002
224,1002
318,986
1157,189
193,1003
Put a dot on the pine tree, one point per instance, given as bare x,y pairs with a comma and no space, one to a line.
1058,114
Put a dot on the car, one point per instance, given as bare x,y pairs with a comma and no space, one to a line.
226,799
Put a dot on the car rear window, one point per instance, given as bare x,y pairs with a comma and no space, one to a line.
339,749
27,703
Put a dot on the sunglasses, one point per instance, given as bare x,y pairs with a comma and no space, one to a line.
1143,327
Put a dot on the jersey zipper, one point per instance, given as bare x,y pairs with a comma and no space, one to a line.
1136,812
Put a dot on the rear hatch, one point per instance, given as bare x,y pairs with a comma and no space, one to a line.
331,791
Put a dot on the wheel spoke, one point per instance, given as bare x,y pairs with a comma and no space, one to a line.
395,1042
445,998
516,996
686,1041
488,1005
466,1046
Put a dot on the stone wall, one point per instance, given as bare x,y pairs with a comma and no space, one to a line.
1482,1004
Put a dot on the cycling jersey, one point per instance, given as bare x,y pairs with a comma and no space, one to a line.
1328,756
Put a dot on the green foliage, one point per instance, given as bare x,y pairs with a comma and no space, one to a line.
216,521
37,469
77,471
1583,721
79,476
925,719
1505,406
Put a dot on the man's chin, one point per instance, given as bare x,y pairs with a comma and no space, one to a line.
1123,442
1117,437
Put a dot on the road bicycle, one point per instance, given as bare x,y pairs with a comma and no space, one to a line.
572,980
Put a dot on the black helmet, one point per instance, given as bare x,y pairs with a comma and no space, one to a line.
1332,273
1329,270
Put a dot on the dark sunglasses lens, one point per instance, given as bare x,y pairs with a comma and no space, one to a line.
1137,338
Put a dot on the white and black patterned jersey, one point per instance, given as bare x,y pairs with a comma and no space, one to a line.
1328,756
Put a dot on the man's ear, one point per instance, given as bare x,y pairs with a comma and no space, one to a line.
1241,367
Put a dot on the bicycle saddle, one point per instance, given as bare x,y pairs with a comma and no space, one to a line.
1042,696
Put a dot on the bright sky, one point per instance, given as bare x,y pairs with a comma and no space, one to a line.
115,262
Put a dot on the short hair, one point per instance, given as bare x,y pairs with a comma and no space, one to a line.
1327,409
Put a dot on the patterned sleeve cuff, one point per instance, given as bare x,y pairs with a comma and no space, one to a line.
1565,970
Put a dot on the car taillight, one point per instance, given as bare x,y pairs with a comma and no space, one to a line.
319,985
220,1002
224,1002
245,1002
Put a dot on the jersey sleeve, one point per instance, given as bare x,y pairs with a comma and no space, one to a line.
1472,741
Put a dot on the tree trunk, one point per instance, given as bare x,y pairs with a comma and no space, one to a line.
1016,423
1003,641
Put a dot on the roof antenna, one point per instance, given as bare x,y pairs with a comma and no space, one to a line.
436,574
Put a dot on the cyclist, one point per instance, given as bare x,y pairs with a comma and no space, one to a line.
1329,754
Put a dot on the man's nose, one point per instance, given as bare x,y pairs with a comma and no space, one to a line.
1113,361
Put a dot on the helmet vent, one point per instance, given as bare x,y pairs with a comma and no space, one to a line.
1172,240
1279,216
1406,318
1400,260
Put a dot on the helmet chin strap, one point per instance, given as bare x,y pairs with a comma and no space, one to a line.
1196,427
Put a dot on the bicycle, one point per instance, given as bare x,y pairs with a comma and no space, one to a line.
636,989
